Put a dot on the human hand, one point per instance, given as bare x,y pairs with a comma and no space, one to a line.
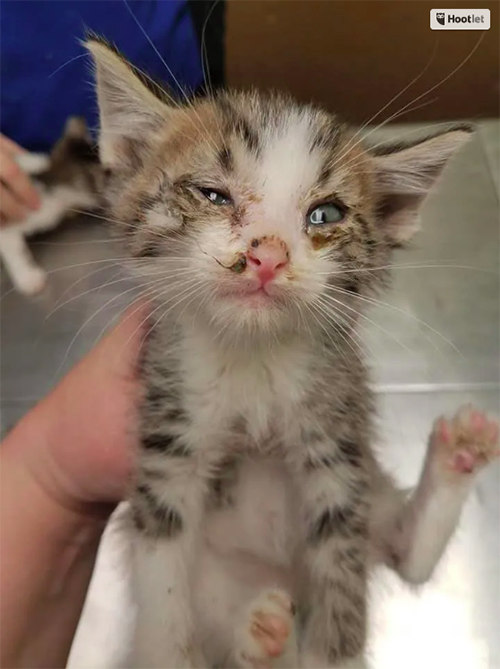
17,193
78,444
63,469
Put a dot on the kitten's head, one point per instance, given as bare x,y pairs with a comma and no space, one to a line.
250,210
74,160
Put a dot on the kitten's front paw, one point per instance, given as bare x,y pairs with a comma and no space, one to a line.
32,282
466,443
268,631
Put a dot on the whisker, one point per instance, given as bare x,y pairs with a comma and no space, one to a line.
408,266
390,119
93,214
75,283
348,326
120,264
388,104
71,60
153,294
433,88
300,308
85,242
90,318
206,66
313,307
110,262
377,302
209,293
349,323
151,43
60,302
166,274
192,289
369,320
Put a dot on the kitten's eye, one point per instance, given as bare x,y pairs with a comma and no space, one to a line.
215,196
325,213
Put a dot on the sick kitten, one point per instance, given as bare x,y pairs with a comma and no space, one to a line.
71,177
258,504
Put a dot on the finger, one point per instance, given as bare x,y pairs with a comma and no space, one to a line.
10,147
18,182
10,208
99,400
119,351
116,356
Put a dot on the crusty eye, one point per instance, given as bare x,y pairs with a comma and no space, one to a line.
215,196
325,214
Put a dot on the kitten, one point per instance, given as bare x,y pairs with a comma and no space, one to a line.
258,504
70,177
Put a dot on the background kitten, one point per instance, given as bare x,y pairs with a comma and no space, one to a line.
71,177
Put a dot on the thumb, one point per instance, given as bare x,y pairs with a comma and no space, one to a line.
10,147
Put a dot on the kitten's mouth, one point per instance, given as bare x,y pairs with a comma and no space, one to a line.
259,296
253,294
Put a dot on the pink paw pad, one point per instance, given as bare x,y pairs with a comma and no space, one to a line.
442,430
464,462
467,442
267,630
271,632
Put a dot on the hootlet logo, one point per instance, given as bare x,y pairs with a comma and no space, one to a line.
460,19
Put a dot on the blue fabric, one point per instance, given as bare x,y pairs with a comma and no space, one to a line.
40,83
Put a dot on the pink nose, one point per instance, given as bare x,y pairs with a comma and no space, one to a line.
267,256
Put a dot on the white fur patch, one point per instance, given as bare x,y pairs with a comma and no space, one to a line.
33,163
56,204
19,263
259,385
287,171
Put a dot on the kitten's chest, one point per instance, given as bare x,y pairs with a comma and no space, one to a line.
257,395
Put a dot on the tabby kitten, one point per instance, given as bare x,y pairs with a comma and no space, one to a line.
71,177
257,503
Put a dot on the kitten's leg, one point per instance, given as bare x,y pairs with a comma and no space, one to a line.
245,615
415,536
25,274
266,637
334,497
167,505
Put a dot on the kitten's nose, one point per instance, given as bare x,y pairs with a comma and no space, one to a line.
267,256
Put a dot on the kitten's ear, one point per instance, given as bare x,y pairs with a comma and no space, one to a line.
405,174
130,113
76,128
